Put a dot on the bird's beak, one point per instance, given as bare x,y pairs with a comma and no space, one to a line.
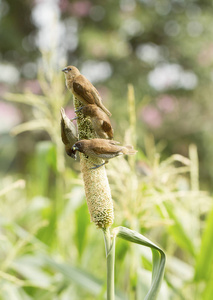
74,148
65,70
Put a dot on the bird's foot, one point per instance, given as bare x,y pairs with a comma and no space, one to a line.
74,119
79,109
98,166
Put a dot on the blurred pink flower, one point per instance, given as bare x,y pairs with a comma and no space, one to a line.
80,8
151,116
166,103
32,86
10,116
70,112
3,89
205,57
63,5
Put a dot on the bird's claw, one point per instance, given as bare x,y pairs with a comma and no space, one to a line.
74,119
98,166
79,109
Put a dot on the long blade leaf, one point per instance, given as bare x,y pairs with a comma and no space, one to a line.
159,257
204,259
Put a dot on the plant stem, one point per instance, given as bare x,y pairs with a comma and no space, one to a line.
110,256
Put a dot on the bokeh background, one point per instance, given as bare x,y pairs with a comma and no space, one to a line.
152,62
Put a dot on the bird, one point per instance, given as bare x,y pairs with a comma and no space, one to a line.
100,121
68,134
82,88
102,148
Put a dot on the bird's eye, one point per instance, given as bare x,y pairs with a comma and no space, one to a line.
69,69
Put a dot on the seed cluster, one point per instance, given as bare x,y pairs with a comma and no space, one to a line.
97,189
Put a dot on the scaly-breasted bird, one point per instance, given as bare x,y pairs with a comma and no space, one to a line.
100,121
68,134
82,88
101,148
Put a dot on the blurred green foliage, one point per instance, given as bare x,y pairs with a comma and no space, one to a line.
49,249
133,39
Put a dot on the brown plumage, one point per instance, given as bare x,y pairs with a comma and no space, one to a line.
68,134
82,88
101,148
100,121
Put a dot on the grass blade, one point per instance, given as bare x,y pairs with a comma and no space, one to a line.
204,259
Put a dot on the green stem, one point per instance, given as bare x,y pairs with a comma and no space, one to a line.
110,256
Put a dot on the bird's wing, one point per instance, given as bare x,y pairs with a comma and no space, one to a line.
110,150
114,142
63,135
96,95
83,88
106,126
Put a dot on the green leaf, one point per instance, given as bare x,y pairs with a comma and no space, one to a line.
84,279
47,152
42,167
38,124
208,292
10,291
30,99
82,222
204,260
178,232
29,266
159,257
80,277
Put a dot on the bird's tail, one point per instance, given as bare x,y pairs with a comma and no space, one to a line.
105,110
129,150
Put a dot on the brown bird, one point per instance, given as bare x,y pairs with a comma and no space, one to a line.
102,148
82,88
100,121
68,134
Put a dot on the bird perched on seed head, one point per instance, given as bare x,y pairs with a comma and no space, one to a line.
68,134
101,148
100,121
82,88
